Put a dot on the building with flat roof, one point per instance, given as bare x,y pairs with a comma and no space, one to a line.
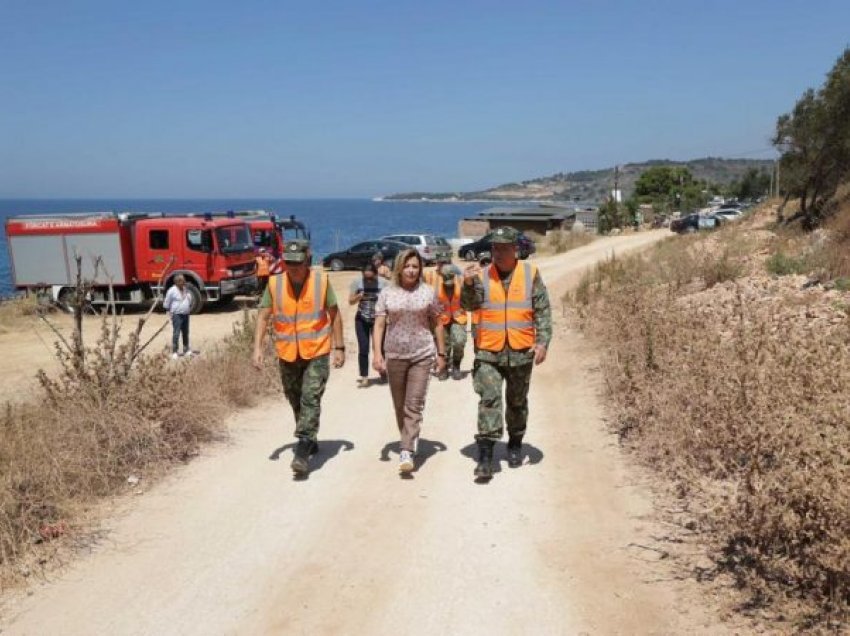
539,218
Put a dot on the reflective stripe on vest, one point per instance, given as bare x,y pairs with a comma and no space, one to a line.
506,316
451,306
301,325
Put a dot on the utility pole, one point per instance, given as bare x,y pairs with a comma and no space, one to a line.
772,179
776,163
616,182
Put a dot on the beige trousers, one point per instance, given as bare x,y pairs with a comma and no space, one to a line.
408,386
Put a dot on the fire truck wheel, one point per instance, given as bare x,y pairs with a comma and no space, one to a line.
197,298
65,300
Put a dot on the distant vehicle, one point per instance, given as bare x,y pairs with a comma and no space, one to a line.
359,254
472,251
694,223
729,214
428,245
268,230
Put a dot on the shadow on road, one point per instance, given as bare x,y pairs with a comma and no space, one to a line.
328,448
530,454
426,450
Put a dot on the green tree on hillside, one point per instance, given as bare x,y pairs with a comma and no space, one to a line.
755,183
670,188
609,217
814,139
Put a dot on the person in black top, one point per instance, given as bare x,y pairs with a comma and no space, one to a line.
364,293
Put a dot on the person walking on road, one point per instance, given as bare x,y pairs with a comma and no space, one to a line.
513,334
306,323
381,266
441,263
364,293
264,262
178,304
453,320
409,312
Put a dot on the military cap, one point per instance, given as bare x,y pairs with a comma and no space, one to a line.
296,251
505,234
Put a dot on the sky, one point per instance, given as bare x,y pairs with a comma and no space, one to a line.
163,99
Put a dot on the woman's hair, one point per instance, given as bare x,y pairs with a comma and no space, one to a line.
370,267
401,259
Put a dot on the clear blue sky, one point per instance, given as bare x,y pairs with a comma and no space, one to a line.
346,98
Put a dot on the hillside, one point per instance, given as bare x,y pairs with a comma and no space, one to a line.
593,185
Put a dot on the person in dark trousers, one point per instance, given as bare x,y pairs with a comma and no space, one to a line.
364,293
513,330
178,304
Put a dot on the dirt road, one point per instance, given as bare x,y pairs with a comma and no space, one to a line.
232,545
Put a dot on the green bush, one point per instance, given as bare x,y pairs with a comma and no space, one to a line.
781,264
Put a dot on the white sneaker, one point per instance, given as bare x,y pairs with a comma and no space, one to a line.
175,356
406,463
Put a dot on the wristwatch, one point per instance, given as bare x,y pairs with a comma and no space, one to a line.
339,348
442,355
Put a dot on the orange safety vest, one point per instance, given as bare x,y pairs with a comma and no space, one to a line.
507,318
302,327
262,265
451,306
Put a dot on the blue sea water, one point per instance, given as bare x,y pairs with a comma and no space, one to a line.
333,223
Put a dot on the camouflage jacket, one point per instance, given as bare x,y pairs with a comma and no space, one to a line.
472,296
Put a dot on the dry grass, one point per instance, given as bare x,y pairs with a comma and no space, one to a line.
96,427
560,241
733,384
16,311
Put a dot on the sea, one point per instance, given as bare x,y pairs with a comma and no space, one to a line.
334,224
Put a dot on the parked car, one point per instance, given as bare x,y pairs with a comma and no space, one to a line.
428,245
359,254
729,214
694,223
472,251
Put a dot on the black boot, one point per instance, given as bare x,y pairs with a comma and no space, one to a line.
514,451
303,450
484,469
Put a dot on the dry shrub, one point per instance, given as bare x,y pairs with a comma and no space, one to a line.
737,392
97,427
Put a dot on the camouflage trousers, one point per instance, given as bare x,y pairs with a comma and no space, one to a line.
487,381
455,343
304,383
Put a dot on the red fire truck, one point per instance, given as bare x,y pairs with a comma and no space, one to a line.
269,230
133,251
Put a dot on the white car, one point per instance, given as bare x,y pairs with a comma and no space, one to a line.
428,245
729,214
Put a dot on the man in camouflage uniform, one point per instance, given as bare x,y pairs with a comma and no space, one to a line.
513,366
304,379
455,330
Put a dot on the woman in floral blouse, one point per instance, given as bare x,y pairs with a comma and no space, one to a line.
408,311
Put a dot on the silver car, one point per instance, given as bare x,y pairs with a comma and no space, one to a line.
428,245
